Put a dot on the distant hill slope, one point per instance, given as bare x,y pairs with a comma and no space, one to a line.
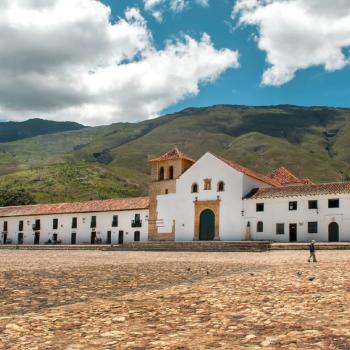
12,131
112,160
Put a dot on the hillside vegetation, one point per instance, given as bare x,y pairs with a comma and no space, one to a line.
111,161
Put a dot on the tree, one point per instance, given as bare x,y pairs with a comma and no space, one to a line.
15,197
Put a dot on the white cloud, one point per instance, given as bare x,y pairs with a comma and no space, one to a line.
298,34
204,3
157,7
65,59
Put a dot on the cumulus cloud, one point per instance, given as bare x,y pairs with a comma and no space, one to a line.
65,59
298,34
157,7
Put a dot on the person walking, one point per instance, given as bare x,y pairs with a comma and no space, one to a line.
312,250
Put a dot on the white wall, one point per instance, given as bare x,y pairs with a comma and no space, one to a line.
277,211
83,231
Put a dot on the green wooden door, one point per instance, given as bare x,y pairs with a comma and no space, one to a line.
207,225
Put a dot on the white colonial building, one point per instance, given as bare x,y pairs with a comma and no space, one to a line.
110,221
208,199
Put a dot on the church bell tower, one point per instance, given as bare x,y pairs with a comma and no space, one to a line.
164,172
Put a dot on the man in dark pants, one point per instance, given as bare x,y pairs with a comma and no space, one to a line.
312,250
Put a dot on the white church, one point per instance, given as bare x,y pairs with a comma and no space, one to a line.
208,199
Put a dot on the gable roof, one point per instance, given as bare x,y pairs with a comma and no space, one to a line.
286,177
249,172
300,191
116,204
173,154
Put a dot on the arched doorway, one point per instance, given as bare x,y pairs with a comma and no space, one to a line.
333,232
207,225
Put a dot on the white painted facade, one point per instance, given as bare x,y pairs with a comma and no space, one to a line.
83,231
276,210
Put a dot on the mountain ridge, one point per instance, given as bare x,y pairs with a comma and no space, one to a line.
13,130
106,161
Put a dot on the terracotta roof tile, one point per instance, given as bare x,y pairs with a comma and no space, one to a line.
117,204
300,191
250,173
285,177
173,154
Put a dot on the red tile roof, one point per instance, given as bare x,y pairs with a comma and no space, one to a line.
300,191
117,204
307,182
174,154
250,173
285,177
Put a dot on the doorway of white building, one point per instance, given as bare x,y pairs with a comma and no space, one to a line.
20,238
333,232
207,225
293,233
109,237
4,238
121,237
137,236
37,238
93,237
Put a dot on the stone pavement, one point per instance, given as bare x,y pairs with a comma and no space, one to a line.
134,300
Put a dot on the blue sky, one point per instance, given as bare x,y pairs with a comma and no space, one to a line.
310,87
100,62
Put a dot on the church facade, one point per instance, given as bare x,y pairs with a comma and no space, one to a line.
208,199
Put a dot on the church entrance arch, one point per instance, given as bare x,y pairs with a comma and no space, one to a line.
207,225
206,220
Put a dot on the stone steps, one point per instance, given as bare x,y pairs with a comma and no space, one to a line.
55,247
216,246
305,246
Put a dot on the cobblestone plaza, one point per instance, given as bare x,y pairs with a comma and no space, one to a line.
145,300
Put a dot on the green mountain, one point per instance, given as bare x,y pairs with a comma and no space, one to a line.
111,161
12,131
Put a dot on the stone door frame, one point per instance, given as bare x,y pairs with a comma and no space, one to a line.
199,206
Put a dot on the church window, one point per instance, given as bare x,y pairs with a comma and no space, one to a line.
161,173
207,184
194,188
260,226
221,186
259,206
171,172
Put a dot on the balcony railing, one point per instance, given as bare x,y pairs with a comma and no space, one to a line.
35,227
136,223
